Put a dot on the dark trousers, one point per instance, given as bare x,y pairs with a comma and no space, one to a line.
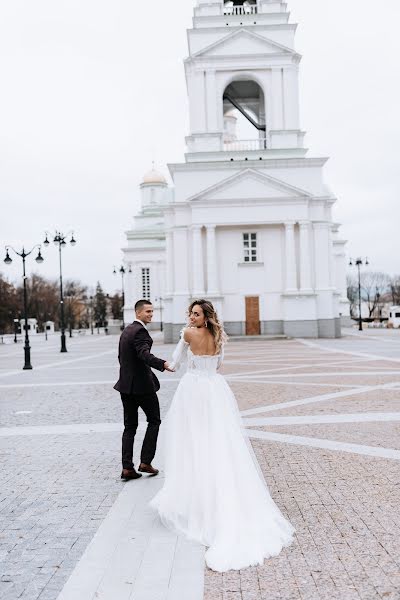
150,406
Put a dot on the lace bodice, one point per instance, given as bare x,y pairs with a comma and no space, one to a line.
201,364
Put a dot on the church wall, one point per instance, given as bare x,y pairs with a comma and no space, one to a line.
198,178
239,279
155,261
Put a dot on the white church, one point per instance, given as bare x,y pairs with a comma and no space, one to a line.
248,221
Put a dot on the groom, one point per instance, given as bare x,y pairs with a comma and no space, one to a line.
138,385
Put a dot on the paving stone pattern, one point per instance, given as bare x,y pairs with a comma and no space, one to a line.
57,489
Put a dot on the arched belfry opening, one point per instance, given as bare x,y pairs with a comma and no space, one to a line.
244,114
240,6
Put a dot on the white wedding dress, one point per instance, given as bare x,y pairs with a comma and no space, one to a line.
214,491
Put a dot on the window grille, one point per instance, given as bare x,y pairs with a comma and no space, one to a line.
146,283
250,247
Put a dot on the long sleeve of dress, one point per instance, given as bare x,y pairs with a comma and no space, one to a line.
179,353
221,357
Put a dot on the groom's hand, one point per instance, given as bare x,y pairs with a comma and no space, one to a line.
167,368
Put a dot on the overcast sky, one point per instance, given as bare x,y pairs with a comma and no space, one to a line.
92,91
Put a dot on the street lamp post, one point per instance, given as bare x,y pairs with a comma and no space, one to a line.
358,262
160,300
122,270
91,314
378,297
16,323
59,239
8,261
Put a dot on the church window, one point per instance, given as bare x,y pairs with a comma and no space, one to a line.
250,247
146,283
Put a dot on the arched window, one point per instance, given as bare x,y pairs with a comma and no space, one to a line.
244,115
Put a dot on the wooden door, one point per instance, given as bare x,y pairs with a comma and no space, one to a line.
252,315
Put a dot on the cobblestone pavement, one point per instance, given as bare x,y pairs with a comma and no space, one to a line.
316,411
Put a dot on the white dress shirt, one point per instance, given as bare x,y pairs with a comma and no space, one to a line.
141,322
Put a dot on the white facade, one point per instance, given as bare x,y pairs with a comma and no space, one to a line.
145,255
250,223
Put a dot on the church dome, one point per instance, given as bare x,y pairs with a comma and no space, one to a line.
153,176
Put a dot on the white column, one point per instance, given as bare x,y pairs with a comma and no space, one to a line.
212,276
169,263
181,267
331,258
197,262
277,99
321,254
291,283
305,257
291,98
211,99
197,106
340,267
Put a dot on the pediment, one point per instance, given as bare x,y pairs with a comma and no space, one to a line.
241,43
249,184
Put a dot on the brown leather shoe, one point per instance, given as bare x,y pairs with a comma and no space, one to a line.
128,474
148,469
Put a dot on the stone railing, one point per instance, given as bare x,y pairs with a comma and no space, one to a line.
240,10
240,145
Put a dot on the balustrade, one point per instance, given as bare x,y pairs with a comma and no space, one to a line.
240,10
238,145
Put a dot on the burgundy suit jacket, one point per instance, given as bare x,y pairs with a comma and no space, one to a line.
136,360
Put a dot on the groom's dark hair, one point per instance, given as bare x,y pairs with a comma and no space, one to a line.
140,303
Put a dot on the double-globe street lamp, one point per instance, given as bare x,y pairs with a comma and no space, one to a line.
59,240
8,260
122,270
359,262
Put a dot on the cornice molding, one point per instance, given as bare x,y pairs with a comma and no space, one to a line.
249,27
270,163
250,62
247,202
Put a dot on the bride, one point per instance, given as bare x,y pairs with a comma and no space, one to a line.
214,491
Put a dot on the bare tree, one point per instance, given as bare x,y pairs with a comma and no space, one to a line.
43,298
352,295
373,285
75,296
395,289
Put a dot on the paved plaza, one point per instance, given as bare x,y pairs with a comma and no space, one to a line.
324,420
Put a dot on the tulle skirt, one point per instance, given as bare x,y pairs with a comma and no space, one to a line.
214,492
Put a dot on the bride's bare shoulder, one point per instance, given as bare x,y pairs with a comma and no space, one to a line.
188,333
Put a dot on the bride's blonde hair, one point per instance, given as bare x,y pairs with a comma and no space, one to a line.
213,324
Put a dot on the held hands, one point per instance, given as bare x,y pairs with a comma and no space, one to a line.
168,368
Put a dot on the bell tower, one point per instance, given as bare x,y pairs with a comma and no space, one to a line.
250,226
242,58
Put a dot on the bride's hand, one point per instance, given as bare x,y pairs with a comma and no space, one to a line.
168,368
